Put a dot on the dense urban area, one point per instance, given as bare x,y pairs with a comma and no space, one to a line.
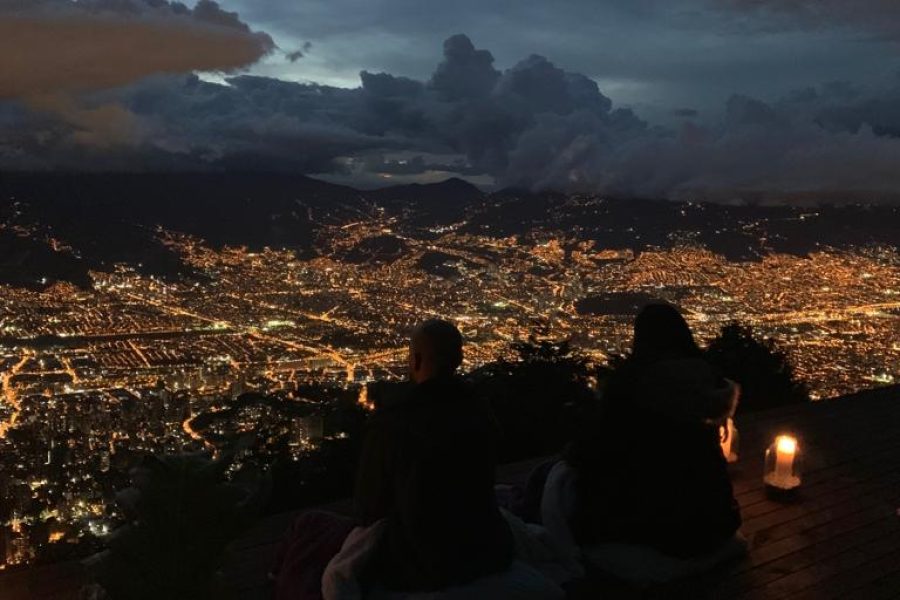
136,362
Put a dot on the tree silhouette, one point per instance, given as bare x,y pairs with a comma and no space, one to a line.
764,371
180,514
538,397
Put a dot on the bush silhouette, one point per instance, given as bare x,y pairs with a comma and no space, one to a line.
180,514
764,371
538,397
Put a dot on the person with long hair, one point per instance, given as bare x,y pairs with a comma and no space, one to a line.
648,475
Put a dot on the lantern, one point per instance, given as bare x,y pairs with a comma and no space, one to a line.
782,471
728,437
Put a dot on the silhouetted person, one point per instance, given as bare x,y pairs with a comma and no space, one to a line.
664,353
660,332
427,468
651,470
435,351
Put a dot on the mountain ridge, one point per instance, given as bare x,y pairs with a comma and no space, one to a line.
59,226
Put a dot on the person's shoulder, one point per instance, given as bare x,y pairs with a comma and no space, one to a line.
420,399
445,382
441,390
685,387
447,403
393,413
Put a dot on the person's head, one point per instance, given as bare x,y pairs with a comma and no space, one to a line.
660,332
435,349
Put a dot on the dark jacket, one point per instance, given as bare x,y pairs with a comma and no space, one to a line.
652,470
428,467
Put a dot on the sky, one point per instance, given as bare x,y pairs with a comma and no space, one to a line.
707,99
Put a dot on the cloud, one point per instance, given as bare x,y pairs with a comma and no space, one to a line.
534,125
465,73
59,46
296,55
757,150
54,51
101,126
877,15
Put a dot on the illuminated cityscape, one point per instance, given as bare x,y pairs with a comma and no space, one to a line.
139,363
225,225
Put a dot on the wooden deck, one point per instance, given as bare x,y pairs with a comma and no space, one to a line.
838,538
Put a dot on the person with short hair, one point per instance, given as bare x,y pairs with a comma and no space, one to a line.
426,515
435,350
427,469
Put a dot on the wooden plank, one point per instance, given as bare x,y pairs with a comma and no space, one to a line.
884,588
806,555
748,482
831,525
876,399
821,493
827,496
825,493
749,486
859,579
823,564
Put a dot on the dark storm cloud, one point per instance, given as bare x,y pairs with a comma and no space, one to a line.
651,55
251,123
879,15
465,73
774,150
533,125
298,54
758,148
468,109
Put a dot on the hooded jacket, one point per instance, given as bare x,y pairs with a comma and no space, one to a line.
652,471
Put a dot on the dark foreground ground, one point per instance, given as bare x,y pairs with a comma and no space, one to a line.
838,538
